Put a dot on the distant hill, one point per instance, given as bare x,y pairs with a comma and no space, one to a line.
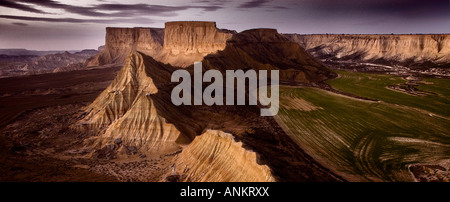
21,52
26,62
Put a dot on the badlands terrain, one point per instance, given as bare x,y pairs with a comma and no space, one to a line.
20,62
352,108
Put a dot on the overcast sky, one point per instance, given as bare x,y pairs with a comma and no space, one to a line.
80,24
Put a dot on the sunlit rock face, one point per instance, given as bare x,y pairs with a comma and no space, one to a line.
186,42
215,156
194,37
120,42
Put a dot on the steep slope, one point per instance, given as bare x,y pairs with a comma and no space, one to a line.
265,49
215,156
126,111
406,49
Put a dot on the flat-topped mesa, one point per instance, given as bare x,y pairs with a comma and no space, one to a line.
120,42
179,43
186,37
417,48
188,41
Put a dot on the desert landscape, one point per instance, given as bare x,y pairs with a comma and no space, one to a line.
352,108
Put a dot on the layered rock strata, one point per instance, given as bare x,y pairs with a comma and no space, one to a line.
414,48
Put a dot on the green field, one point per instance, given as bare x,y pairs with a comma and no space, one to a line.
365,140
375,86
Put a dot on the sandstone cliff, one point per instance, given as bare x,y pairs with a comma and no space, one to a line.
215,156
120,42
186,42
417,48
179,44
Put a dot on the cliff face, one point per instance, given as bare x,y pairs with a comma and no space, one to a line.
194,37
120,42
179,44
187,42
215,156
433,48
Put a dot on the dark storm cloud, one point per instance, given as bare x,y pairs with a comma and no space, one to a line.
117,10
253,4
399,8
209,8
121,10
11,4
212,2
75,20
19,24
413,8
280,7
153,9
71,20
86,11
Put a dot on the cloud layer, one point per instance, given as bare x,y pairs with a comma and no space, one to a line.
21,21
103,9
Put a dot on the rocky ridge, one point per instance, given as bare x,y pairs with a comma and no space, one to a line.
215,156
